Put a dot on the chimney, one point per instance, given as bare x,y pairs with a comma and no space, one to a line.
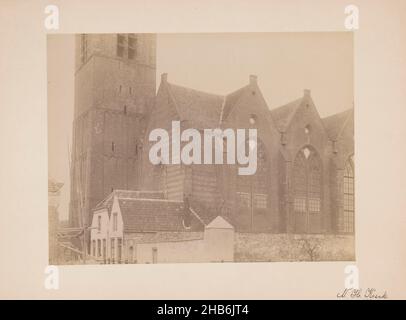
307,92
253,79
164,77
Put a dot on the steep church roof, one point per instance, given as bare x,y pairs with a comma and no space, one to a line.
204,110
334,124
284,114
230,101
201,108
108,201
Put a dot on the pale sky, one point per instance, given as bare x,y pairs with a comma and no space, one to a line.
285,63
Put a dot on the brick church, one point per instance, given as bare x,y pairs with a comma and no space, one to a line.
304,183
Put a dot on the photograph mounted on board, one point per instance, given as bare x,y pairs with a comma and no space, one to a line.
217,147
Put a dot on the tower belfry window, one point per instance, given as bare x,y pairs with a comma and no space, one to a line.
127,45
132,46
83,48
120,45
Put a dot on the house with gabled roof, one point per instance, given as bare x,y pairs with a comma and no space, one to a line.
127,222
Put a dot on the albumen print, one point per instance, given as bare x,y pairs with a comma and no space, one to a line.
157,129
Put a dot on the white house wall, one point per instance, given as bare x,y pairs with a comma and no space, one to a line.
98,235
167,252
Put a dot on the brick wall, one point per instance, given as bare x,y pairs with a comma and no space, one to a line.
263,247
214,245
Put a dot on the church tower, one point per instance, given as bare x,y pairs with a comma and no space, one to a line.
114,90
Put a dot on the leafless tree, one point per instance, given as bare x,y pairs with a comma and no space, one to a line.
311,248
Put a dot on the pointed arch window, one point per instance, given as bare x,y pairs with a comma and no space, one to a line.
253,189
307,204
346,222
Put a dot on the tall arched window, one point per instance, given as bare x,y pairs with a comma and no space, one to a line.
346,221
253,189
307,172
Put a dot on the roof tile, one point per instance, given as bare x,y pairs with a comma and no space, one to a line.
200,107
149,215
282,115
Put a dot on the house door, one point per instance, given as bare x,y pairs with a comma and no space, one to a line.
119,249
307,192
154,255
104,250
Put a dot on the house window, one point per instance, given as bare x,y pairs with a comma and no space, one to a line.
346,222
83,48
104,248
99,248
99,223
120,45
115,221
113,249
307,190
94,248
113,146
